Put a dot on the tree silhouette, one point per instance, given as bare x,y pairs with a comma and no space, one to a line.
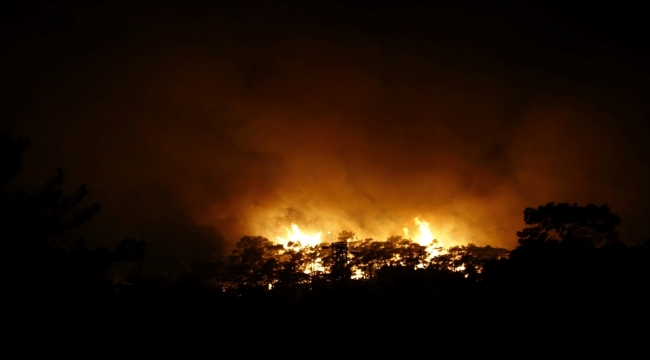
253,264
38,220
468,259
292,269
43,256
572,225
566,248
368,256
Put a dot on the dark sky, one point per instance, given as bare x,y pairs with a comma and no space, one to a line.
196,124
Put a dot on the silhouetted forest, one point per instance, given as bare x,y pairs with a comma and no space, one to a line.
570,264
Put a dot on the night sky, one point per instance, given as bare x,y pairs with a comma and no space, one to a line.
196,124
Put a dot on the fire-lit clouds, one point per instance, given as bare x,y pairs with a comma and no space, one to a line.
217,131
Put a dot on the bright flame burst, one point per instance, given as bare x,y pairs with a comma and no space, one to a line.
424,237
296,236
296,239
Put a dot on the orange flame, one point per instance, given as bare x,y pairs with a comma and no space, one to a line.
296,236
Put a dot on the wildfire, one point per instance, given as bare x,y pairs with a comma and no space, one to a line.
425,238
297,240
296,236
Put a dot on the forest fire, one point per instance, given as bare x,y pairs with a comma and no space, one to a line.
424,237
313,254
296,236
366,176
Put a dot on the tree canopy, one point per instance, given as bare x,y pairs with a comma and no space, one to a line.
37,225
591,224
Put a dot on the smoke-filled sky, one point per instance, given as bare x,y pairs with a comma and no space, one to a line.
195,125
